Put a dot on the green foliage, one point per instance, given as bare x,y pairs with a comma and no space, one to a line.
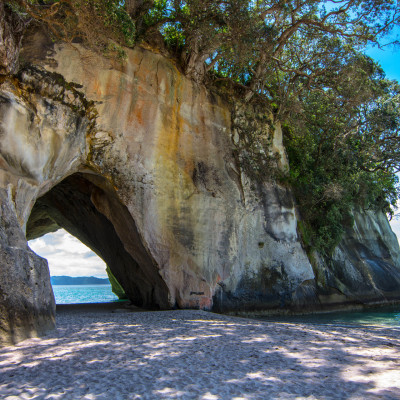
342,151
116,287
174,37
115,18
101,24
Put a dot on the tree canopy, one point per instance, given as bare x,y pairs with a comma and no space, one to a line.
302,60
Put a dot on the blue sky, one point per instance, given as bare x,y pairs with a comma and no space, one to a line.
389,58
68,256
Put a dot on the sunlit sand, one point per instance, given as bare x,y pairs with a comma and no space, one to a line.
118,354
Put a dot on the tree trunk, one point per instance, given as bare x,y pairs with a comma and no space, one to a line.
132,6
196,67
137,7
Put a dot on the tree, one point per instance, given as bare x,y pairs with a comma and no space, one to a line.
240,39
254,37
343,149
103,25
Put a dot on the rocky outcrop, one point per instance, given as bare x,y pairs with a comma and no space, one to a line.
365,267
167,144
86,207
26,299
147,169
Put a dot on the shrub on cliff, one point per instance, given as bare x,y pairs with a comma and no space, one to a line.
344,150
104,25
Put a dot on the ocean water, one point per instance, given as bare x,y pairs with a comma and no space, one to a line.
75,294
381,316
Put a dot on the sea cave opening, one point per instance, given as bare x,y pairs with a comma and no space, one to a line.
77,274
88,208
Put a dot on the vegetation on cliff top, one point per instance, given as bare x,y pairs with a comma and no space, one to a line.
301,59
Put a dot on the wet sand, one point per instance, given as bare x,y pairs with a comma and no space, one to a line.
110,352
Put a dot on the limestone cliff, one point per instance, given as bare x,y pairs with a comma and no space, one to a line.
365,266
146,168
26,298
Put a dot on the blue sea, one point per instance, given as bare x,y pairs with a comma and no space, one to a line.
383,316
75,294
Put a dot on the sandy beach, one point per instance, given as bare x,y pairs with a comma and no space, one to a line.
119,354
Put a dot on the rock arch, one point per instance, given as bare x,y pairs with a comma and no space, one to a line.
45,183
87,207
148,159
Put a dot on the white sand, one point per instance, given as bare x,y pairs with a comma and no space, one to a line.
199,355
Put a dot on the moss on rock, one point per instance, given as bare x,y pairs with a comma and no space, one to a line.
116,288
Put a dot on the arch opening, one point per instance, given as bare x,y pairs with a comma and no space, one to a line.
77,274
88,208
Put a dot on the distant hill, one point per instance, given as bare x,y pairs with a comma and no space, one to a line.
80,280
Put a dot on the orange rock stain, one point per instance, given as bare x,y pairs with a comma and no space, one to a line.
97,88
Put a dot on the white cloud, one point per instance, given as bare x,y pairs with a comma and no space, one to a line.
66,255
395,224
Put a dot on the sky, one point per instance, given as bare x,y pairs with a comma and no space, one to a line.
66,255
389,59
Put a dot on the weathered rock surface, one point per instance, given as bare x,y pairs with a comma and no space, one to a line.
142,165
365,267
27,304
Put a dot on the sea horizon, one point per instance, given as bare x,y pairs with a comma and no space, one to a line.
79,294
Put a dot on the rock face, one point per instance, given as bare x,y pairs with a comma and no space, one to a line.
365,266
26,299
142,166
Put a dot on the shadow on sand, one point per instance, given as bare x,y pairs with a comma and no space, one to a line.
109,352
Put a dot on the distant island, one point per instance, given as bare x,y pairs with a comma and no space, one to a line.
79,280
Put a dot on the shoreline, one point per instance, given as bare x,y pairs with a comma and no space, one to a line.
347,307
189,354
279,313
93,307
